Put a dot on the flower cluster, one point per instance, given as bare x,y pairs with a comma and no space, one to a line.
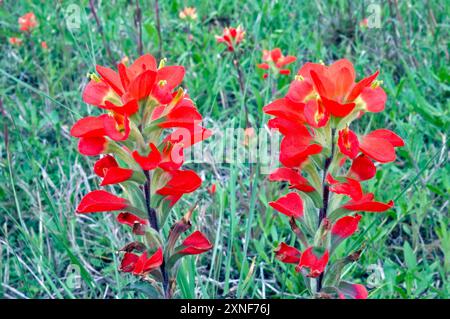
188,13
323,159
231,37
142,136
276,61
27,23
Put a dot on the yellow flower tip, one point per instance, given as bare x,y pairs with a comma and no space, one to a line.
376,84
162,83
321,62
93,77
298,77
162,63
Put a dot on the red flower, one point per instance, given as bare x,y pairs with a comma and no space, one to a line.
27,22
44,45
315,259
231,37
136,223
181,182
275,59
336,88
150,161
362,168
380,145
101,201
212,189
195,244
286,109
366,203
287,254
128,262
351,187
346,226
296,148
145,265
15,41
108,168
293,177
348,143
290,205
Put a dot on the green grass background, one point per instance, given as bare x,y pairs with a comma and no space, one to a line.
42,176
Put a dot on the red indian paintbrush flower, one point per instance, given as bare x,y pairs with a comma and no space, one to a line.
287,254
231,37
148,125
195,244
276,60
15,41
314,120
27,22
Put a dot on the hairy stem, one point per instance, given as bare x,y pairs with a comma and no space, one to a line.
326,195
153,220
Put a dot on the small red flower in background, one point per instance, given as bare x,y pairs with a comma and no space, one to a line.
15,41
188,13
276,60
231,37
44,45
27,22
212,189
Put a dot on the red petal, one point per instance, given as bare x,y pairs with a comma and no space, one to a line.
143,63
130,219
150,161
181,182
368,206
196,243
184,116
315,260
128,262
389,136
293,177
316,114
357,89
287,254
117,127
128,109
353,291
299,90
101,201
154,261
103,164
90,126
351,188
142,85
290,205
111,77
95,92
346,226
362,168
375,99
173,75
337,109
348,143
92,146
286,109
377,148
263,66
115,175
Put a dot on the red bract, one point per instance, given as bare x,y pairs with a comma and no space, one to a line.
101,201
315,259
293,177
181,182
380,145
147,264
287,254
15,41
143,107
348,143
346,226
195,244
367,204
276,60
231,37
350,187
150,161
352,291
290,205
27,22
362,168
